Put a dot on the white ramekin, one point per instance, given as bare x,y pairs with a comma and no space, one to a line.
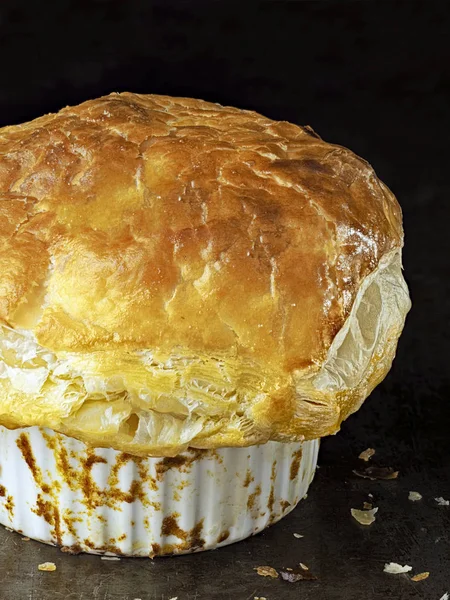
56,489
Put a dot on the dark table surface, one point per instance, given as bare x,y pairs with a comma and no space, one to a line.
373,76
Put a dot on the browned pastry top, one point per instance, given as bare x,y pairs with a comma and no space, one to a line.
196,262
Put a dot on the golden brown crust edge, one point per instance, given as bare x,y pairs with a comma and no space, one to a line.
216,239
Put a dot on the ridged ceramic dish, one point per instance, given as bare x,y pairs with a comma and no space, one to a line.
57,490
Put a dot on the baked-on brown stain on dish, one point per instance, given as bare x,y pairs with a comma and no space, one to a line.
248,478
182,463
23,443
170,527
223,536
156,551
184,483
9,506
69,474
50,512
252,498
271,499
191,540
136,491
284,505
91,492
69,521
170,462
195,540
78,476
110,546
82,478
295,464
73,549
2,491
112,496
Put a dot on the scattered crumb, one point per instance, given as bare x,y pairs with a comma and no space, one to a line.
445,596
174,598
364,517
367,505
367,454
298,574
25,539
110,558
259,598
9,529
47,566
374,473
442,502
395,568
298,535
304,567
420,576
414,496
266,572
370,496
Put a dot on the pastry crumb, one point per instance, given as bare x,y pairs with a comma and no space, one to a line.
265,571
374,473
9,529
364,517
395,568
298,574
25,539
367,505
109,558
298,535
421,576
414,496
442,502
366,455
304,567
47,566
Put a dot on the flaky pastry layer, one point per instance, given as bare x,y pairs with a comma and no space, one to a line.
144,402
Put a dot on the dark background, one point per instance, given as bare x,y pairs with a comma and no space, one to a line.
373,76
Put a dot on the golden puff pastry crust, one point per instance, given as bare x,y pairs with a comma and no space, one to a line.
177,273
